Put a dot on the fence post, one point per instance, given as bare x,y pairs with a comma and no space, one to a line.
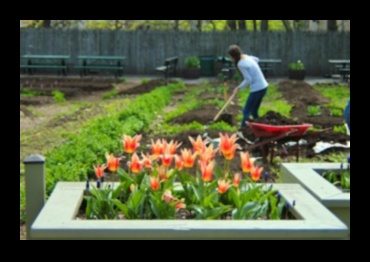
35,189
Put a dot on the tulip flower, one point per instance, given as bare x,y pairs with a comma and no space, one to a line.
168,197
113,162
256,172
99,170
166,159
223,186
147,160
207,170
247,162
188,158
208,154
228,146
131,143
154,183
179,163
198,145
180,204
171,147
135,164
236,180
157,148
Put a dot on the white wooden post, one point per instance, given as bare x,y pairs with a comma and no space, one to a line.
35,188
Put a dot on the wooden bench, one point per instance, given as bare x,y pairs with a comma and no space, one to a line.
267,65
169,66
98,63
345,73
45,62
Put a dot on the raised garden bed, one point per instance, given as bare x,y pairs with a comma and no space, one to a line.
57,221
309,176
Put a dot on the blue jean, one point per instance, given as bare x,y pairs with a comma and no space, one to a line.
347,115
252,105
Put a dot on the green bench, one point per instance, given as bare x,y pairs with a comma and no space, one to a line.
98,63
45,62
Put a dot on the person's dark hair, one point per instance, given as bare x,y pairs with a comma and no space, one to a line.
235,52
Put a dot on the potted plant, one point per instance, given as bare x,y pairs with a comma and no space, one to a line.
192,67
297,71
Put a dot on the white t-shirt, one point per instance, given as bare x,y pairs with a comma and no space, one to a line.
253,76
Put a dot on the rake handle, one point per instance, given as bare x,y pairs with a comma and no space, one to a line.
224,107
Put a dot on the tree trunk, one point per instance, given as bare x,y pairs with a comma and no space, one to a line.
254,25
242,25
176,25
287,25
232,24
46,23
332,25
199,25
264,25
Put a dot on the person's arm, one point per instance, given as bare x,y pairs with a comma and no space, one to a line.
247,79
255,58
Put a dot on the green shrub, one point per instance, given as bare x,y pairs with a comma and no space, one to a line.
340,129
192,62
111,94
296,66
58,96
144,81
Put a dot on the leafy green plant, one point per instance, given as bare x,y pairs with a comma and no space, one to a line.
144,80
314,110
58,96
339,178
220,77
296,66
222,126
111,94
338,95
27,92
340,129
336,112
192,62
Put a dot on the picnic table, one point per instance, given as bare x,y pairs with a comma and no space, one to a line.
45,62
91,62
343,65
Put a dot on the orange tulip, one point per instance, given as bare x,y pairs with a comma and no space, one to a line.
207,170
171,147
113,162
166,159
168,197
99,170
131,143
256,172
236,180
188,158
132,188
135,164
157,148
228,146
247,162
223,186
198,145
208,154
147,160
162,173
180,204
179,163
154,183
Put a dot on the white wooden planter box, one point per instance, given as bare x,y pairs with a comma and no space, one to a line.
57,221
329,195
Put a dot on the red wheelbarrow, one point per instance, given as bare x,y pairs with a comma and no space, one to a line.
272,133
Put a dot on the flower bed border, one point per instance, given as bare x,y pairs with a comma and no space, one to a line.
329,195
56,221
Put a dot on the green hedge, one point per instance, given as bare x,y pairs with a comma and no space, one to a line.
72,161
